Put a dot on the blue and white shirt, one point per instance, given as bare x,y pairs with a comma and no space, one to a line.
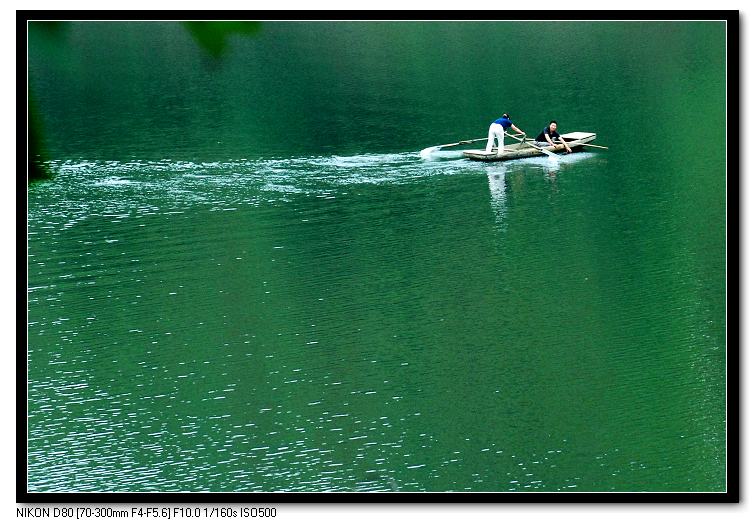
504,122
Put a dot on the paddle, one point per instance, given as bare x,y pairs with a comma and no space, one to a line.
591,145
524,140
458,143
427,152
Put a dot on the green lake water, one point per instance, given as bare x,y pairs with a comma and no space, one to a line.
244,277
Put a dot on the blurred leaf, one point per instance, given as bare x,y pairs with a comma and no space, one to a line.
36,159
50,38
213,36
50,29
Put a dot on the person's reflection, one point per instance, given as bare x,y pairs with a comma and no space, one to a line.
497,184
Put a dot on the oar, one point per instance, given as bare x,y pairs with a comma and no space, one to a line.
552,155
427,152
591,145
458,143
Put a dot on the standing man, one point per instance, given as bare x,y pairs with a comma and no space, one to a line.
497,129
548,136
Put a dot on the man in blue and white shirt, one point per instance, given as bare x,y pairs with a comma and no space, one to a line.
497,129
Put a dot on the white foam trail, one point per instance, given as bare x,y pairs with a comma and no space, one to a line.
427,152
548,161
113,181
434,153
136,183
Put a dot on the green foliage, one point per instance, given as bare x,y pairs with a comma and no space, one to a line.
37,169
213,36
52,37
49,36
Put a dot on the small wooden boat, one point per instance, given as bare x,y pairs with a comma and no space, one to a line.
523,150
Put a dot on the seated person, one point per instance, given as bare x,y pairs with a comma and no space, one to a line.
548,136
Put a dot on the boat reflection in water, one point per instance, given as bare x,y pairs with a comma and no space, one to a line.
510,177
551,167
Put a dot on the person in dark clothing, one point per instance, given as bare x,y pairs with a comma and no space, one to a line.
549,135
497,130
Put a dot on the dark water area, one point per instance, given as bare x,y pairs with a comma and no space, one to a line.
245,277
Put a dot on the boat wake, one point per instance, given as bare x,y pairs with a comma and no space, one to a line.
117,185
550,163
245,180
437,154
427,152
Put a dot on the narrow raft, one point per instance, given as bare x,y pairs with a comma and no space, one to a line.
521,150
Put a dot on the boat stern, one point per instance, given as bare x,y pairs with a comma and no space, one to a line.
582,137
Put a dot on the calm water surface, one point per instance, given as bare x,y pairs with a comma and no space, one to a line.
244,276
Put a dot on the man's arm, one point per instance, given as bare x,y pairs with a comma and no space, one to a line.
517,129
565,144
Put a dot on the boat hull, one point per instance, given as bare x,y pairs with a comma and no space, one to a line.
521,150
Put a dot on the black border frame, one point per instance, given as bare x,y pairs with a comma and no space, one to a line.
733,198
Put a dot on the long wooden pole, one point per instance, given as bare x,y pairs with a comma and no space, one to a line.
459,143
